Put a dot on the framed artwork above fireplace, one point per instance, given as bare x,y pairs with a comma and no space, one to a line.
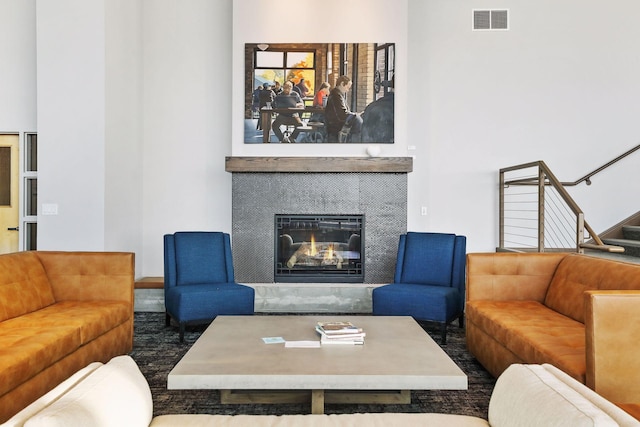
312,70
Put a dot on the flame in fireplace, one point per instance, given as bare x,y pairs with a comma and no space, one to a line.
328,255
314,250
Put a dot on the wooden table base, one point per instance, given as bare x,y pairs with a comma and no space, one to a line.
317,398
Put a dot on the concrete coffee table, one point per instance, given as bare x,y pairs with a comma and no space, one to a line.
398,356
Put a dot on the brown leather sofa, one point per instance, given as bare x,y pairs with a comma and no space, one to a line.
59,311
576,312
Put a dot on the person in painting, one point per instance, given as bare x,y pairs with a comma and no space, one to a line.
320,98
342,124
265,98
287,99
377,118
303,90
320,101
255,99
295,88
277,88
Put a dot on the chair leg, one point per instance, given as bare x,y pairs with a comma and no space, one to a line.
461,321
167,319
443,333
182,328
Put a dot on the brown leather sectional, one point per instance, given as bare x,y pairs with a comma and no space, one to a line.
576,312
59,311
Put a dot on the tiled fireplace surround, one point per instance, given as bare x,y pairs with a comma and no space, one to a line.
265,186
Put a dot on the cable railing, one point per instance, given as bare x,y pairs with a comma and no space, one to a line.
537,214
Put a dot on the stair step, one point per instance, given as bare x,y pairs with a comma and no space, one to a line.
612,256
631,247
631,232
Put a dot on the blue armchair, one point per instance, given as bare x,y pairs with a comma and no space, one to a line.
199,281
429,281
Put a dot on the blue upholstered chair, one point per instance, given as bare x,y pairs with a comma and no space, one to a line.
199,282
429,281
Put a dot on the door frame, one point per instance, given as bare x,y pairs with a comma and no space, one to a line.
23,175
27,174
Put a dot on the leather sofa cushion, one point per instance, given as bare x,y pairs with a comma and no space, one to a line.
89,276
90,318
510,276
533,332
27,350
579,273
24,286
33,342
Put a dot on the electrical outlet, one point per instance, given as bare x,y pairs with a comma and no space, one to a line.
423,210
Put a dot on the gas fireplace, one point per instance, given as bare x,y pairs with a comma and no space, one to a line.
319,248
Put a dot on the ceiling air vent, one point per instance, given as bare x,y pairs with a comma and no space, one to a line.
491,19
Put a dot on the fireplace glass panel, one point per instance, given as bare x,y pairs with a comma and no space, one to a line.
319,248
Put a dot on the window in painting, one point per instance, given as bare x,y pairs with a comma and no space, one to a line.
279,66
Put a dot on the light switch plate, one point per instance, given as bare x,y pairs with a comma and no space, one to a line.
49,209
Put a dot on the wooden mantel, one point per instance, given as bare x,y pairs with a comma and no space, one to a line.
319,164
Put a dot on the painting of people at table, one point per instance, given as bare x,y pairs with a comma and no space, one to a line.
337,98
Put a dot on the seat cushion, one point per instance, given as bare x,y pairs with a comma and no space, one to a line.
428,258
533,332
90,318
37,340
422,302
27,350
206,301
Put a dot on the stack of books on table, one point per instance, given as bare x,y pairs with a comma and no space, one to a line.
340,332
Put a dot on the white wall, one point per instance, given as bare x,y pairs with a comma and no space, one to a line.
561,86
71,123
123,227
17,66
187,116
89,125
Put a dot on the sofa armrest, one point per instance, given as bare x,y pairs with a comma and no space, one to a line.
543,395
612,322
508,276
90,276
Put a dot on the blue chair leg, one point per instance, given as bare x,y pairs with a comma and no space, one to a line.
182,328
443,333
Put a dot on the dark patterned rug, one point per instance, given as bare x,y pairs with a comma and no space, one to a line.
156,349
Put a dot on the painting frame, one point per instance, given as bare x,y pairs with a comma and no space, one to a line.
370,68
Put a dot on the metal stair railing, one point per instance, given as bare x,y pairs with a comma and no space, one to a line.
537,214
